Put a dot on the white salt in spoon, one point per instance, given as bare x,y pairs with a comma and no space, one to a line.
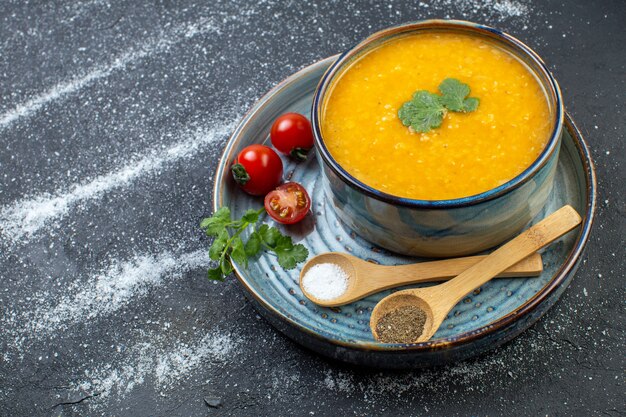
365,278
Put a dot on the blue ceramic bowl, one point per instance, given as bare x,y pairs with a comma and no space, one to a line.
440,228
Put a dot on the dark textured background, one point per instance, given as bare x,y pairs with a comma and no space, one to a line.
93,91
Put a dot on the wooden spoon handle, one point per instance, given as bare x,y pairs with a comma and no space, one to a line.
533,239
444,269
378,278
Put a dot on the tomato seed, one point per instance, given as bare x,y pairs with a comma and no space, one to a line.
274,204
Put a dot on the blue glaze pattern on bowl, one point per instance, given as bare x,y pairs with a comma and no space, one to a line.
440,228
495,313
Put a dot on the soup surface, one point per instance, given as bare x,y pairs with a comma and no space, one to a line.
470,153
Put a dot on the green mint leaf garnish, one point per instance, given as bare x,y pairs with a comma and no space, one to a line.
251,216
215,224
218,246
426,110
215,274
226,266
253,244
289,255
238,253
269,235
454,94
470,104
423,113
229,246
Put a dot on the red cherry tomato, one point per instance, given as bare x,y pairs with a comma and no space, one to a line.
257,169
288,203
292,135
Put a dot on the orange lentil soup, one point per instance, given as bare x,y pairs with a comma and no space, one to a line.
470,152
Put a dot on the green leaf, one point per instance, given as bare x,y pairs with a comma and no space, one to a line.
253,244
423,113
289,255
251,216
269,235
454,94
217,223
238,253
225,266
470,104
219,245
228,247
215,274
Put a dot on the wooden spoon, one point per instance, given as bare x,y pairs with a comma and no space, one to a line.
438,300
365,278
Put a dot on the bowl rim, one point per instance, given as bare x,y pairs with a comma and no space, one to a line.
438,24
502,323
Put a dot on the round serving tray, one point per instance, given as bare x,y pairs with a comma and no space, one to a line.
490,316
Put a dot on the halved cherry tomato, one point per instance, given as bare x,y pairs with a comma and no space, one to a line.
292,135
257,169
288,203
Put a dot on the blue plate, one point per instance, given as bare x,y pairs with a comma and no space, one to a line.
490,316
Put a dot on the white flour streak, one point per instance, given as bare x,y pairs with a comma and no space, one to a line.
158,44
104,293
25,217
482,8
508,8
180,362
164,367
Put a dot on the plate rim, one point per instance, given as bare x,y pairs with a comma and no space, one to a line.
439,344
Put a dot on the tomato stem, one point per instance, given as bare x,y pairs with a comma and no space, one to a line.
240,174
299,154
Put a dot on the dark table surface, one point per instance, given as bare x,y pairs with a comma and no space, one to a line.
112,119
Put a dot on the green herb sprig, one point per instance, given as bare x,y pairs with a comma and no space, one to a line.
425,111
228,245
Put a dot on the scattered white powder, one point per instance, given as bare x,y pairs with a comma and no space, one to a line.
77,10
157,44
507,364
481,8
164,367
325,281
25,217
107,291
402,385
511,364
184,358
508,8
